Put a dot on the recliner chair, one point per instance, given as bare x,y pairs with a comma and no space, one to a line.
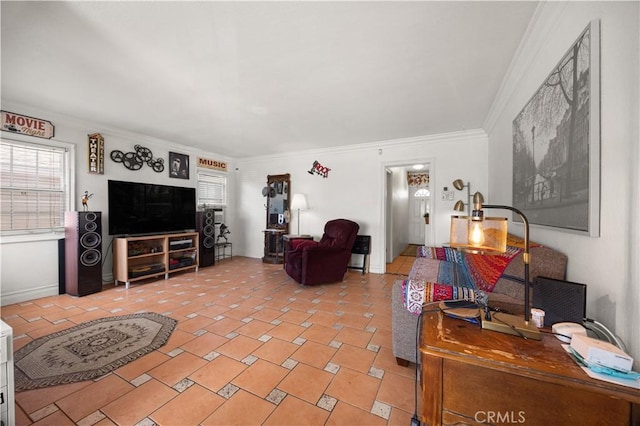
325,261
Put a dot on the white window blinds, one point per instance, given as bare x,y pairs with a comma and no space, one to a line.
212,189
33,186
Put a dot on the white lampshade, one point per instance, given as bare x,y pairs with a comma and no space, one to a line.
299,202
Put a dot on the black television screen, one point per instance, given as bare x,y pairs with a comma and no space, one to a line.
142,208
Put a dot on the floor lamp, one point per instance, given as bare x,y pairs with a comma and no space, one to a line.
299,202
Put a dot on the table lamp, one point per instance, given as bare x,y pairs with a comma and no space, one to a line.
488,235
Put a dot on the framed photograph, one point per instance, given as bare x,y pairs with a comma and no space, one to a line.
178,165
556,143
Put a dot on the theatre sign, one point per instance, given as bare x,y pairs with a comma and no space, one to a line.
24,125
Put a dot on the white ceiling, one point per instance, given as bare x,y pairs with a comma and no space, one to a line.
253,78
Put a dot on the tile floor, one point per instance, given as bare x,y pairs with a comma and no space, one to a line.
401,265
251,347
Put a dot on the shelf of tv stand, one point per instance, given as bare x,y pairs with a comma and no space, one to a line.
142,257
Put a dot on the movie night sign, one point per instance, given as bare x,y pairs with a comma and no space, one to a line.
24,125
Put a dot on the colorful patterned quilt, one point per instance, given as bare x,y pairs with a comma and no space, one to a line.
475,270
418,293
444,273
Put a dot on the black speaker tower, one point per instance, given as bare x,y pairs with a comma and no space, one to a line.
83,252
62,287
205,222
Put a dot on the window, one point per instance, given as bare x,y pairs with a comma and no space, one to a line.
212,189
34,187
422,192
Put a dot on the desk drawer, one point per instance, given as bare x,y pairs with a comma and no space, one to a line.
489,396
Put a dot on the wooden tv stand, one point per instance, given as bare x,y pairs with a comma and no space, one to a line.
139,258
477,377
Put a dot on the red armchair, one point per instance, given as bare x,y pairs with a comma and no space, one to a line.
325,261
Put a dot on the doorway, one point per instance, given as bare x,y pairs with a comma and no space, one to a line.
408,197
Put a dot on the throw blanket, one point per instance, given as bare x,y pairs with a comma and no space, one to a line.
440,253
416,293
475,270
442,272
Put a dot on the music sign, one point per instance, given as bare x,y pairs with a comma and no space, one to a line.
212,164
24,125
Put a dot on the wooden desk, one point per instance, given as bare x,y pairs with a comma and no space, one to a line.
475,376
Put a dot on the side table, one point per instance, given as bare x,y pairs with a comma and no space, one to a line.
475,376
220,250
361,246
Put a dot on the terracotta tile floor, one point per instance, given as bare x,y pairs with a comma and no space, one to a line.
401,265
251,347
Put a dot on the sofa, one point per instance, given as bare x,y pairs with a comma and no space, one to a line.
500,278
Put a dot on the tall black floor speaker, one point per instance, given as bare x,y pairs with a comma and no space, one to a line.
61,272
205,222
83,252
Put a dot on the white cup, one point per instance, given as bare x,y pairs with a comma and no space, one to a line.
537,316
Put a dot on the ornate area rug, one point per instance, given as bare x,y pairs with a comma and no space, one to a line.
89,350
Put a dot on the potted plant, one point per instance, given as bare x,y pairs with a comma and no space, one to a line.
426,218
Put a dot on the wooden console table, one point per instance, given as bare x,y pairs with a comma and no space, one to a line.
140,258
273,246
475,376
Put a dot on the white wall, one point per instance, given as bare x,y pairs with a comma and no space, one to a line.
29,269
355,186
608,264
354,189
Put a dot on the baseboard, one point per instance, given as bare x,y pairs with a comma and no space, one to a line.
20,296
30,294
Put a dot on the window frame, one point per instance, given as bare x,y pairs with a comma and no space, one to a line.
225,188
68,186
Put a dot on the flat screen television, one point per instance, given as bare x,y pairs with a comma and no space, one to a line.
143,208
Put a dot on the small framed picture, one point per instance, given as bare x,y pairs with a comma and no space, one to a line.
178,165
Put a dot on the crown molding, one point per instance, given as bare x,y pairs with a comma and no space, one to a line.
537,35
457,136
106,130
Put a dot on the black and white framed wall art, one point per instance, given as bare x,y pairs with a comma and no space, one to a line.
556,143
178,165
